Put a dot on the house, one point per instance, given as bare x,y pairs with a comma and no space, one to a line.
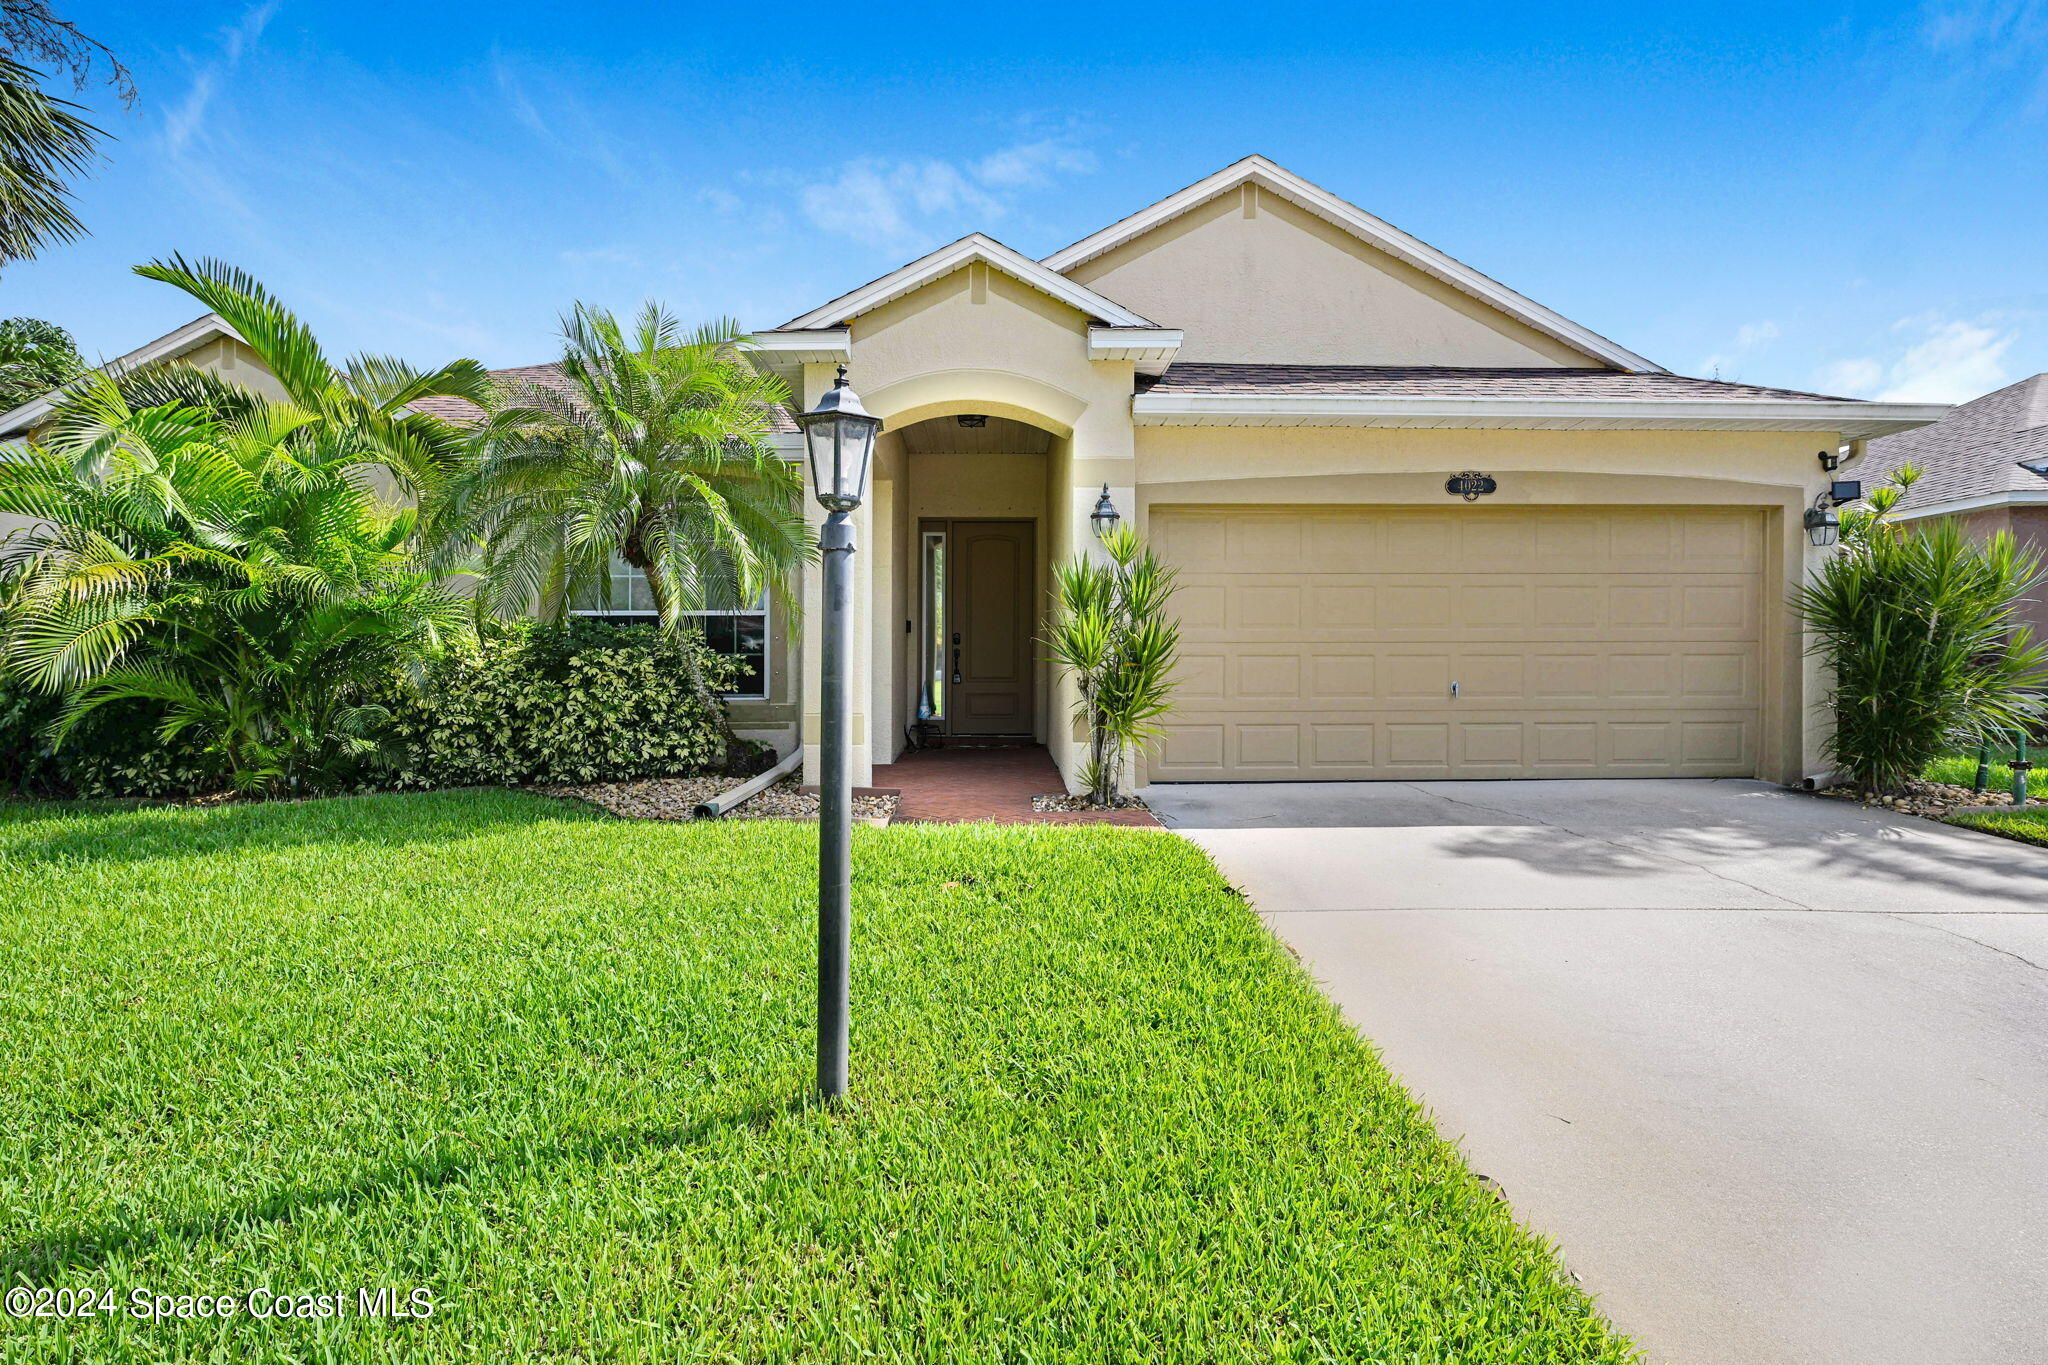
1425,526
1986,465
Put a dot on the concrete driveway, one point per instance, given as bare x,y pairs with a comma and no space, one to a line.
1771,1069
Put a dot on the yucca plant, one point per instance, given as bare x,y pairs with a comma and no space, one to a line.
1917,626
1111,632
235,574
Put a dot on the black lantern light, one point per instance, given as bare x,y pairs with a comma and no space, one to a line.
1822,525
840,435
1105,516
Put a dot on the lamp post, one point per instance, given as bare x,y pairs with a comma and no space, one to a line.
839,435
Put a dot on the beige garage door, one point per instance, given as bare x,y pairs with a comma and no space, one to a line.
1365,642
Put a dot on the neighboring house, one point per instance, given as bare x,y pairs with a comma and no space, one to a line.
1276,387
207,343
1985,464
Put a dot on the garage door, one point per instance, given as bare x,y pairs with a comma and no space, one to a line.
1365,642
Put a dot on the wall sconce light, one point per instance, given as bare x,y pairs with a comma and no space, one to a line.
1822,525
1105,517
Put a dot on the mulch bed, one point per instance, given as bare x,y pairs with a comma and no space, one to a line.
676,798
1934,799
1062,801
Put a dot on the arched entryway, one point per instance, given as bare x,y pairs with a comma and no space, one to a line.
972,568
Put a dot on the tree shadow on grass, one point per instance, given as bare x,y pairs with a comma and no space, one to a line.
44,1259
106,833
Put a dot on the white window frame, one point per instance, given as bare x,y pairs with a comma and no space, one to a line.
765,609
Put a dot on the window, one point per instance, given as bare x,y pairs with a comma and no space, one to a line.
741,635
931,701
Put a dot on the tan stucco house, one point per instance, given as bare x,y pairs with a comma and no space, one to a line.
1287,394
1986,466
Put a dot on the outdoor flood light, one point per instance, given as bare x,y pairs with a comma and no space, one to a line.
1105,516
840,436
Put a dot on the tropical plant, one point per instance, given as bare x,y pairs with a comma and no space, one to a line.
1111,633
1917,626
237,573
358,414
653,451
43,142
35,357
115,751
582,700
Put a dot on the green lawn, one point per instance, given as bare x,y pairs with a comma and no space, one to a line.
1961,770
549,1066
2029,824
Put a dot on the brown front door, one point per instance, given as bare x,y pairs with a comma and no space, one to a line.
990,625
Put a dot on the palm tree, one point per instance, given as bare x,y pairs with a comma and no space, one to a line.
654,452
236,573
357,412
43,142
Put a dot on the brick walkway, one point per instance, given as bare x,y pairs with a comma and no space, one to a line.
997,782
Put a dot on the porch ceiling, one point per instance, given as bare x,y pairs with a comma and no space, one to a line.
999,436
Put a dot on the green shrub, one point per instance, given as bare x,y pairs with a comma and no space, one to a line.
1918,629
583,701
114,751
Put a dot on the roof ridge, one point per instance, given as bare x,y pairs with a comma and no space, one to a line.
1368,227
2036,412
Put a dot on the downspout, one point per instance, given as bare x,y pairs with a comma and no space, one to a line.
752,787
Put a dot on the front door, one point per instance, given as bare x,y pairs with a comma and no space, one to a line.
989,627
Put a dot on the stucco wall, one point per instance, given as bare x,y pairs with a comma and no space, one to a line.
1250,277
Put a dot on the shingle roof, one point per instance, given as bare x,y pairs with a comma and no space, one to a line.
1438,381
547,377
1974,452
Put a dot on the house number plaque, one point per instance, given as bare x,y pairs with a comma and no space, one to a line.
1470,485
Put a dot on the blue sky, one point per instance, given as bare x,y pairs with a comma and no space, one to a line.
1845,197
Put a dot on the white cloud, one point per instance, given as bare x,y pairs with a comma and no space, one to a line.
1033,164
1748,337
875,201
568,127
1852,377
187,117
725,201
888,202
603,255
1753,334
522,108
1945,360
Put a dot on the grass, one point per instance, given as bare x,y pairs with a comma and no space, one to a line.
549,1066
1961,770
2029,824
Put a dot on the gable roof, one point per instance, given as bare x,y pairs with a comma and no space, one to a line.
1375,232
1238,394
975,246
1977,456
183,341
